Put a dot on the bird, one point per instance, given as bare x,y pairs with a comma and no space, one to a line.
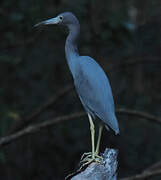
91,83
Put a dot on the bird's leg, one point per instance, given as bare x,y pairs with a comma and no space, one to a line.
99,139
92,134
96,153
92,156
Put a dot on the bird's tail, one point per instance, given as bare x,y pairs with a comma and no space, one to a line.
114,126
117,131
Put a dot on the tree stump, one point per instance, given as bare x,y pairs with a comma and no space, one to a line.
97,171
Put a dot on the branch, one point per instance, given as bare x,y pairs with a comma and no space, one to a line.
21,123
51,101
97,171
155,166
37,127
139,114
143,175
153,170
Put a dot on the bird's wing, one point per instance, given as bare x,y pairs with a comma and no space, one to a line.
95,92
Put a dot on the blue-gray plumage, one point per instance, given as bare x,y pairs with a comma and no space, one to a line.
91,82
94,91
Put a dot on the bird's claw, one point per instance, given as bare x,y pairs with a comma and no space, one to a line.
85,154
88,158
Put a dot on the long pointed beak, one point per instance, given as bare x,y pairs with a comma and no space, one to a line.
49,21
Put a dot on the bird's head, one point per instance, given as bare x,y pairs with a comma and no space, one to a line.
66,18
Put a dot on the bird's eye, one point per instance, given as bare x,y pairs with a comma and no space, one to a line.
60,17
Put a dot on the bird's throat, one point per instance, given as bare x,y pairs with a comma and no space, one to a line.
71,50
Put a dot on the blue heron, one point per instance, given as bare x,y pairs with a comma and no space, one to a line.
90,81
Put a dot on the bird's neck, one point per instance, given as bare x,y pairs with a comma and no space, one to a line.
71,50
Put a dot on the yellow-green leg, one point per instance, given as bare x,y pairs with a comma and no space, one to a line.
92,135
99,139
87,158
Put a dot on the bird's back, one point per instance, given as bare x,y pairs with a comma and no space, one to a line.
95,92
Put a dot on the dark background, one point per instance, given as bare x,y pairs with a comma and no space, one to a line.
124,37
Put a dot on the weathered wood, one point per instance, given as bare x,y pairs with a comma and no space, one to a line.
97,171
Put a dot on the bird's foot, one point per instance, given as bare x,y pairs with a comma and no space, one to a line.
89,155
88,158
